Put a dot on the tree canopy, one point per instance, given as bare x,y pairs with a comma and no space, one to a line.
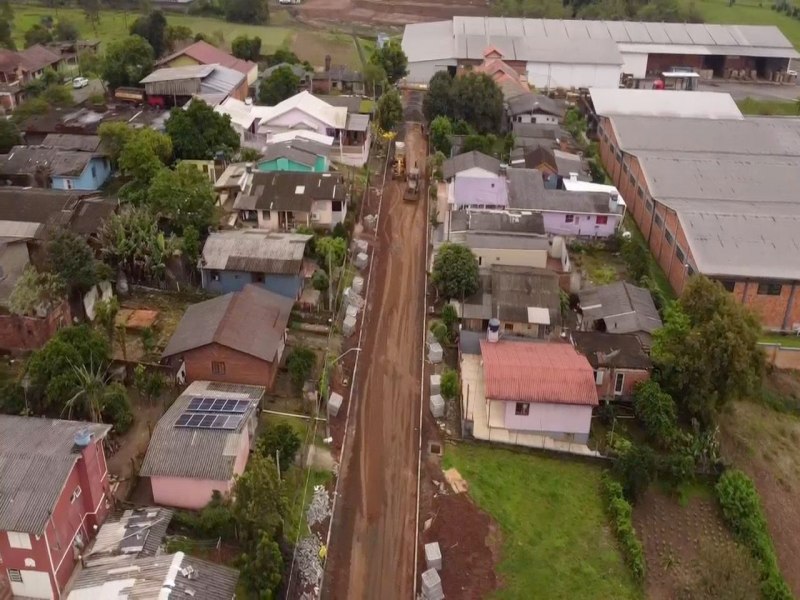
37,34
199,132
72,259
707,351
246,48
455,271
473,98
279,86
66,31
389,111
36,291
436,102
153,28
128,61
254,12
184,197
440,131
393,60
144,154
9,135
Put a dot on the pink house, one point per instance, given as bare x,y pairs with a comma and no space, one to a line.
202,443
53,495
527,393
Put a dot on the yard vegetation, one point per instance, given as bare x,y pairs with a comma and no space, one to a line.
554,530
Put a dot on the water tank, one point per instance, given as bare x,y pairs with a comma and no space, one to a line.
493,332
82,438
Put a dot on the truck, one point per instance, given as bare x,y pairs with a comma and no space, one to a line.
399,163
412,185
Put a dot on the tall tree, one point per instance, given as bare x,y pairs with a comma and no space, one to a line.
9,135
279,86
437,100
66,31
707,352
199,132
37,34
255,12
455,271
246,48
115,135
478,100
143,156
73,260
91,10
389,111
184,197
153,28
393,60
7,35
6,11
374,78
440,131
128,61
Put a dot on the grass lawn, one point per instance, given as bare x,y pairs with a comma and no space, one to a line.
790,341
749,13
751,106
556,539
656,272
115,24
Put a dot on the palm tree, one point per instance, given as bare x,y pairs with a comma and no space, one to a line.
89,397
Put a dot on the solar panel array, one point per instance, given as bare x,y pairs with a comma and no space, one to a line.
213,413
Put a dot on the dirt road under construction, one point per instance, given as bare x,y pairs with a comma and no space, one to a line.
371,555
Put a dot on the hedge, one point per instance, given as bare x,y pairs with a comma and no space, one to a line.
621,513
741,508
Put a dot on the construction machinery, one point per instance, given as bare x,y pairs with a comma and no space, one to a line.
412,185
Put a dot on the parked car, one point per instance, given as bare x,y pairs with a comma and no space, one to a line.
80,82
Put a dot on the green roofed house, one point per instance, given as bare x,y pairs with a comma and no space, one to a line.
298,155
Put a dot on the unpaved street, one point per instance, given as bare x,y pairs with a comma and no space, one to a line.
371,555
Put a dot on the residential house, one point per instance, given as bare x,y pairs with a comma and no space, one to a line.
523,301
232,259
37,58
54,493
203,53
37,166
619,362
136,533
337,78
512,82
217,421
474,179
283,201
235,338
245,118
301,72
542,134
176,86
299,155
303,111
69,51
529,393
554,164
18,69
72,142
178,576
619,308
354,104
228,185
534,108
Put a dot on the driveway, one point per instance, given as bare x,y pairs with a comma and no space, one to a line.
93,89
757,91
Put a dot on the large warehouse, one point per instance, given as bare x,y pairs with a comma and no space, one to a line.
546,49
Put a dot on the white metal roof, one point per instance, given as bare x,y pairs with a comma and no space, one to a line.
241,113
288,136
332,116
664,103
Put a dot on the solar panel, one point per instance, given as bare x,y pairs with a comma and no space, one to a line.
207,421
194,404
206,404
219,421
194,421
182,420
232,423
218,405
197,416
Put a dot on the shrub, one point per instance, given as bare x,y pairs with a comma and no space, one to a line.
280,438
300,364
658,413
741,508
621,514
440,332
635,467
449,384
117,408
449,316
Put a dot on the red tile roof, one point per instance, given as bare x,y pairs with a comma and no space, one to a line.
206,54
550,372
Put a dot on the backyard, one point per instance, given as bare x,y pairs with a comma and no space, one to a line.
545,508
281,33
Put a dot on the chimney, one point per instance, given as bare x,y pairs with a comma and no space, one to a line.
493,332
327,62
613,202
573,176
248,167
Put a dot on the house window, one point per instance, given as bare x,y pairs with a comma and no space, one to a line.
619,156
680,254
522,409
508,327
75,494
649,204
602,219
598,377
68,183
640,192
619,383
728,284
669,237
258,278
625,167
689,270
632,179
659,221
94,172
214,275
218,368
14,576
19,540
336,206
569,218
769,289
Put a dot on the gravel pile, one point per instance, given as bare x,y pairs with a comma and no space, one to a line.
308,561
320,507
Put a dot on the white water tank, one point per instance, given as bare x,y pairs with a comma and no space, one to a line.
493,331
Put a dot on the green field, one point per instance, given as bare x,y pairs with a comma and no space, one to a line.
751,106
749,13
308,45
556,539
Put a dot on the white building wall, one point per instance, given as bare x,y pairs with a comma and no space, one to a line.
488,257
635,64
558,75
422,71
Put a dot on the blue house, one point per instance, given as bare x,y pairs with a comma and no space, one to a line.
298,156
233,259
37,166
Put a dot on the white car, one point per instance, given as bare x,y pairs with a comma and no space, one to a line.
80,82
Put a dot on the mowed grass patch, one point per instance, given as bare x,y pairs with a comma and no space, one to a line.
556,538
753,106
749,13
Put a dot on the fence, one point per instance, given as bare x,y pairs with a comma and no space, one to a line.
782,357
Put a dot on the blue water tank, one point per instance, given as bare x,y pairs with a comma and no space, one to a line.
82,438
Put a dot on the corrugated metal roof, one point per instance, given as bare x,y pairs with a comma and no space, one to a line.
265,252
631,308
608,350
71,141
332,116
36,457
135,533
452,166
198,453
205,53
221,80
664,103
26,160
252,321
544,372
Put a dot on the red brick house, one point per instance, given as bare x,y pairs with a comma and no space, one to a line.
619,362
717,197
53,495
235,338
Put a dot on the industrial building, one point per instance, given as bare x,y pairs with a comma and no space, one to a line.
555,53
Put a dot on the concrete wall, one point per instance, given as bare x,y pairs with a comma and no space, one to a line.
634,63
514,258
781,356
93,177
30,333
541,119
290,286
559,75
555,223
420,72
238,366
632,377
547,417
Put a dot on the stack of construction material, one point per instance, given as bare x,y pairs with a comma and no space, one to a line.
358,284
432,585
435,353
437,406
436,384
334,404
433,556
348,326
361,260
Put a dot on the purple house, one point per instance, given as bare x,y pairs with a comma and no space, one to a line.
475,180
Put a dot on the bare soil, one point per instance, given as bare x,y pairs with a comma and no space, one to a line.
398,13
372,545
